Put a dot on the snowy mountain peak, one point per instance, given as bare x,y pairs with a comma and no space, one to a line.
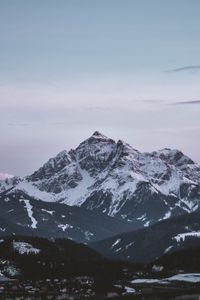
94,143
115,179
98,135
95,153
174,157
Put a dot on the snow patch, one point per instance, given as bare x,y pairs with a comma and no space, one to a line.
77,195
129,245
147,280
181,236
167,215
168,249
118,249
188,277
88,235
25,248
48,211
30,213
65,226
146,224
115,243
129,290
142,218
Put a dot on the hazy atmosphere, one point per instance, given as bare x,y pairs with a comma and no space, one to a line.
129,69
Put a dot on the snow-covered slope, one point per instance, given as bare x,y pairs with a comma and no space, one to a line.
148,244
115,179
7,183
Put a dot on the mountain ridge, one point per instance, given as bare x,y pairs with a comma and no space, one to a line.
148,244
115,179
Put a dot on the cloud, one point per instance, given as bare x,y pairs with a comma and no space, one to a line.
4,176
185,68
192,102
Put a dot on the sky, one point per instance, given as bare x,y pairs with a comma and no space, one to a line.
127,68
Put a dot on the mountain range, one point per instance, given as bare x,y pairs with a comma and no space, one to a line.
100,189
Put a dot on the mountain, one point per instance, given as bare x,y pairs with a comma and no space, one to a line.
113,179
146,245
22,214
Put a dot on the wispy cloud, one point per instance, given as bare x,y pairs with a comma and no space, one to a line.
185,68
192,102
18,124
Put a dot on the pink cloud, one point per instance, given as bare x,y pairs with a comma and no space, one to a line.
3,176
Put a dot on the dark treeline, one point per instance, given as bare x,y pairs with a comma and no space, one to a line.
187,260
60,258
